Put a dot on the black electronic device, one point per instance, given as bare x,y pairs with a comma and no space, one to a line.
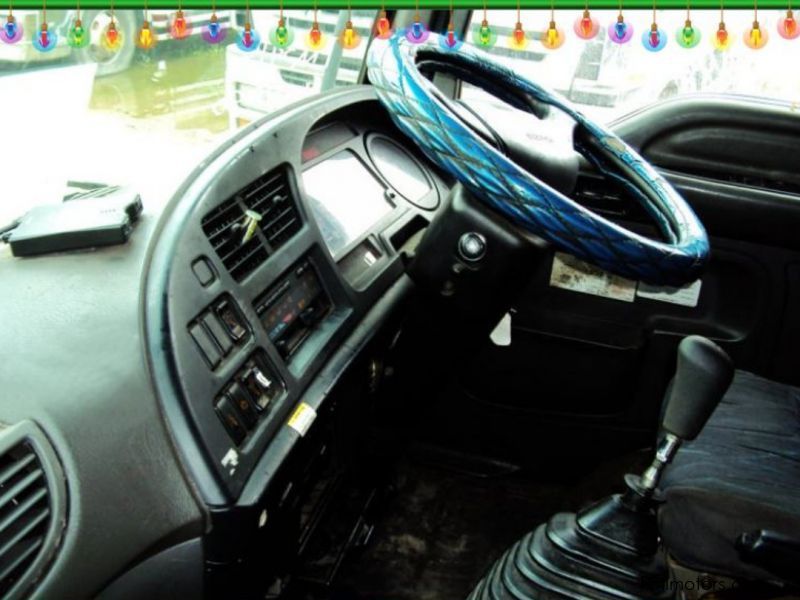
82,222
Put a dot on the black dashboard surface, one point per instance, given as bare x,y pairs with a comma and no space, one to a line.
103,360
295,269
72,361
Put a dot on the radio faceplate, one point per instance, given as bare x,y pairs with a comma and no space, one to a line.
291,308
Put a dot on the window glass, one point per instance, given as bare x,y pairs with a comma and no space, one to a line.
76,118
607,80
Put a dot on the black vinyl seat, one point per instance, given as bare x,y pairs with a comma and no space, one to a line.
741,474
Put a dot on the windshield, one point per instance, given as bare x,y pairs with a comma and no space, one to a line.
607,80
80,117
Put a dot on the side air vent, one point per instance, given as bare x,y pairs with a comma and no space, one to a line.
31,507
226,227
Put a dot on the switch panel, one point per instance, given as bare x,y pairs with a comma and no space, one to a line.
218,330
249,396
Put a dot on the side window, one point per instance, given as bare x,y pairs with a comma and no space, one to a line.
606,80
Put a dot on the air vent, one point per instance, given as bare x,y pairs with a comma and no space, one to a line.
606,198
31,512
226,226
271,197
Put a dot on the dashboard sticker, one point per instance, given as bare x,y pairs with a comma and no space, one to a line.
230,461
687,295
573,274
302,418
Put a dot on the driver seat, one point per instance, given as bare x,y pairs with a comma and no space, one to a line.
741,475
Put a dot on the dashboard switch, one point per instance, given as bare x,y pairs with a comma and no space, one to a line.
218,332
208,348
230,419
262,389
241,400
230,319
472,246
203,271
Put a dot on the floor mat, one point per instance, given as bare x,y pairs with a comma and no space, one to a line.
440,531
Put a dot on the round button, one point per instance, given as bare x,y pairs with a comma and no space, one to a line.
472,246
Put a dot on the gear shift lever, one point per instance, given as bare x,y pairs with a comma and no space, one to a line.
702,377
610,549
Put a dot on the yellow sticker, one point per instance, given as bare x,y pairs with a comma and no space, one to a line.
302,418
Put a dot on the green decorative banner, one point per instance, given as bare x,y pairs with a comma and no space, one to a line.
406,4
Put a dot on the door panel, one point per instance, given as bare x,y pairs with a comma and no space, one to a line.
588,374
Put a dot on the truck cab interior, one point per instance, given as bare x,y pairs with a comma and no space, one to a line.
401,339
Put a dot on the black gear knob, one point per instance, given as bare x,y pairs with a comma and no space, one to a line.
702,377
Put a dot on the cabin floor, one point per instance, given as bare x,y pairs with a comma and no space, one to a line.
442,526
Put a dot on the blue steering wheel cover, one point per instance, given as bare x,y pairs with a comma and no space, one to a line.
422,113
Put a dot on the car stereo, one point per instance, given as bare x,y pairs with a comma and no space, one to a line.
291,308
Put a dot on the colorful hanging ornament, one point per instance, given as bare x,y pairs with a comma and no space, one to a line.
77,36
655,39
180,28
620,32
417,33
755,37
449,40
586,27
214,32
787,27
721,39
248,38
281,36
518,39
383,26
553,37
484,36
349,37
12,30
112,39
43,39
687,36
315,41
145,38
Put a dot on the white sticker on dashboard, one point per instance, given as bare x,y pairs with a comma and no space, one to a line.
687,295
573,274
230,461
302,418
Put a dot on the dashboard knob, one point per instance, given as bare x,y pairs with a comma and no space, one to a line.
472,246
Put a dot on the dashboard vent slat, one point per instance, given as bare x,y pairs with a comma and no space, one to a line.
270,196
25,513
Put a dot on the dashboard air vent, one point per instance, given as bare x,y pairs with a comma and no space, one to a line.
226,227
31,511
271,197
606,198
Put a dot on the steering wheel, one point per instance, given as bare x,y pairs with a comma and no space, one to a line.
422,112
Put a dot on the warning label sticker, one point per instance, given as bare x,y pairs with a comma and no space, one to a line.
571,273
687,295
302,418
